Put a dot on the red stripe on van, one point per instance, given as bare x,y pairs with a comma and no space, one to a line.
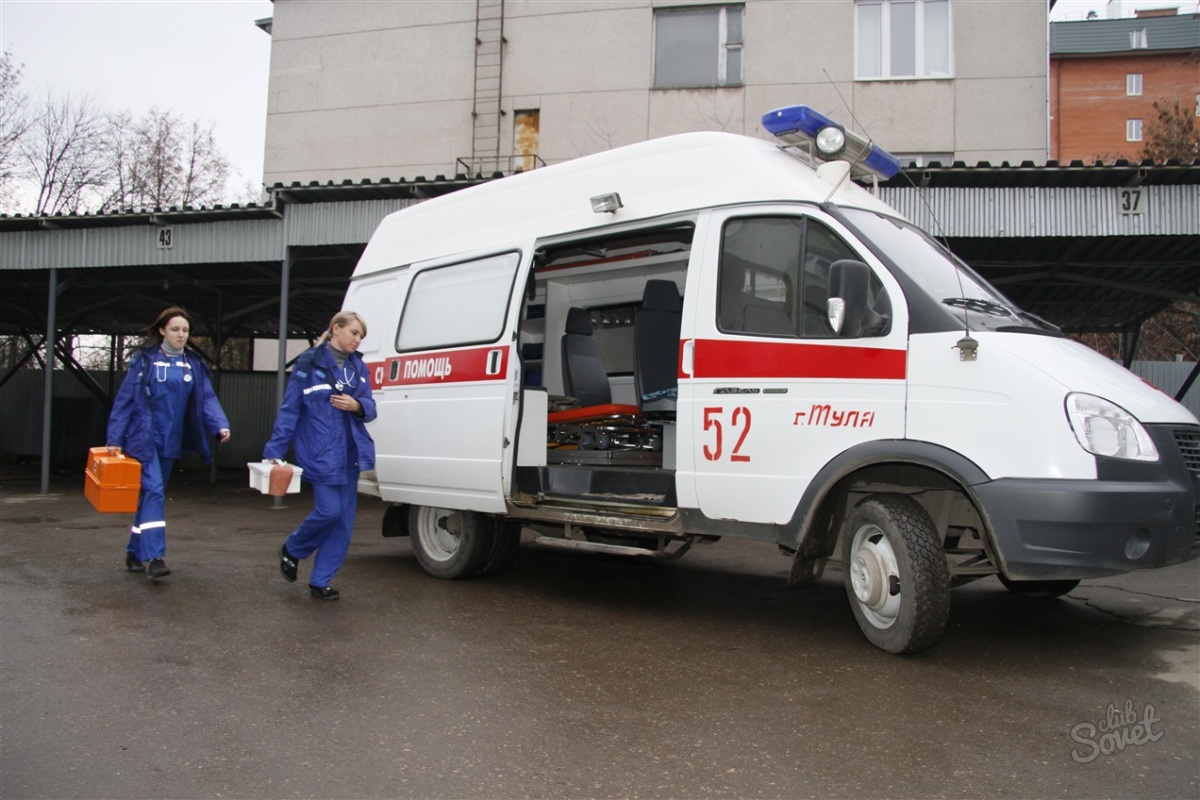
722,358
442,366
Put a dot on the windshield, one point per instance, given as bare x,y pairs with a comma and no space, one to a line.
947,281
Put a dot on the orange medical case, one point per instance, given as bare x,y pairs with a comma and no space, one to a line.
112,480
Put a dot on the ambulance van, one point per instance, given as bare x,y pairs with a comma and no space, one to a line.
711,335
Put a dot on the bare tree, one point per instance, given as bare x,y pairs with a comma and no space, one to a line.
247,193
14,122
65,153
120,143
161,160
206,169
1173,333
1172,133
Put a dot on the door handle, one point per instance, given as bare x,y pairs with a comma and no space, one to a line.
689,358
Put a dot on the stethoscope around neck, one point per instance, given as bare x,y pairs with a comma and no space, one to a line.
165,361
349,377
347,381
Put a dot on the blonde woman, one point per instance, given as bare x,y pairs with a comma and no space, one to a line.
324,413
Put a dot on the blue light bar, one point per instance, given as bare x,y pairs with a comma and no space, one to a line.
787,122
800,125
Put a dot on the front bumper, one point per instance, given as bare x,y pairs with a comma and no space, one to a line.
1134,516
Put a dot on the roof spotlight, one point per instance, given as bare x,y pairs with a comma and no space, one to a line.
831,140
607,203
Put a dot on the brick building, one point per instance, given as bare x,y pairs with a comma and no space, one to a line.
1106,75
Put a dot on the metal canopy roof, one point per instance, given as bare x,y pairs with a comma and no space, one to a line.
1051,237
118,288
1082,276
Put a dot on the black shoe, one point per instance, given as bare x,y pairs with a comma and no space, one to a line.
132,564
287,564
159,568
324,592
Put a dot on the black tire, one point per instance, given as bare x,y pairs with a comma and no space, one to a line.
896,574
395,521
450,544
506,543
1046,589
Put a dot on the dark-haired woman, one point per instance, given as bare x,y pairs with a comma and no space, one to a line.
166,406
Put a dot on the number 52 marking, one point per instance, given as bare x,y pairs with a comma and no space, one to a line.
739,419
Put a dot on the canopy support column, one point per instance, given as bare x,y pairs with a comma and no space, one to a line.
48,396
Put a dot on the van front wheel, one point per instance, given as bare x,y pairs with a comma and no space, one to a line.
896,573
450,544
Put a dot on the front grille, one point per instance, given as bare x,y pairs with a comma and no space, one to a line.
1188,441
1196,541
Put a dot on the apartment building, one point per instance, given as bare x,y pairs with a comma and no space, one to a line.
1107,74
367,90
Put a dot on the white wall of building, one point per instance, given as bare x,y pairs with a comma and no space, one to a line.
363,89
266,353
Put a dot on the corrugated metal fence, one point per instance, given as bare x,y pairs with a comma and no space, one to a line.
79,418
249,401
1169,377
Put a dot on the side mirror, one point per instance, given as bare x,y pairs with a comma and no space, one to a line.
849,309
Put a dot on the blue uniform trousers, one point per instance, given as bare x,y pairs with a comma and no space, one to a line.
326,530
148,536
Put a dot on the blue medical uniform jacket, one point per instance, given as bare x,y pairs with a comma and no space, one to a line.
133,425
332,446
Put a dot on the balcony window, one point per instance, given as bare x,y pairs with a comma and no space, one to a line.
698,47
902,39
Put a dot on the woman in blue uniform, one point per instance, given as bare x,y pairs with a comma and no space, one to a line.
325,409
165,406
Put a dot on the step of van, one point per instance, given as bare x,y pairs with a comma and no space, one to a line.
599,484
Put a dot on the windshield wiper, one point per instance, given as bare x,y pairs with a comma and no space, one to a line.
1050,326
978,304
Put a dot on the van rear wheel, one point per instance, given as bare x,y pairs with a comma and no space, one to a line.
450,544
896,574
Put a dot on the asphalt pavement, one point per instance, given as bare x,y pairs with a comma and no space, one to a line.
569,676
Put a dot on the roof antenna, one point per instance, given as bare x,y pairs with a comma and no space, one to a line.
968,347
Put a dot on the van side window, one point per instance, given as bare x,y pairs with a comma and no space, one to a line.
458,305
774,276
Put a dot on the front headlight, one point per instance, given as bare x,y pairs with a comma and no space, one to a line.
1106,429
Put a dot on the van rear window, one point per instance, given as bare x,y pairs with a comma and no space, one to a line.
459,304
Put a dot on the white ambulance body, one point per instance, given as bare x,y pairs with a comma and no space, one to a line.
836,383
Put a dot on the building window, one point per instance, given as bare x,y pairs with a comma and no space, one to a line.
1137,39
902,39
1133,130
698,47
1133,84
